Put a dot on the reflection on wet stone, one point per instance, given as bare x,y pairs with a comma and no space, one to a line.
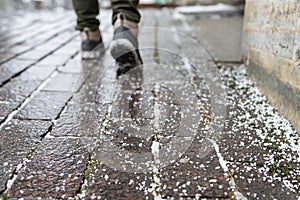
195,175
148,134
39,107
55,171
125,134
11,68
108,183
80,120
65,82
17,139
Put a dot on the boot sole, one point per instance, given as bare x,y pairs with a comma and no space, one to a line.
125,55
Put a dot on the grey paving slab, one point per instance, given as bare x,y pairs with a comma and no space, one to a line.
32,26
56,170
82,67
17,139
7,107
37,73
128,136
107,183
65,82
45,48
73,66
4,57
252,142
11,97
80,120
55,60
195,175
23,43
97,87
254,184
123,163
22,87
41,108
145,135
11,68
105,94
16,49
35,54
69,49
88,92
17,90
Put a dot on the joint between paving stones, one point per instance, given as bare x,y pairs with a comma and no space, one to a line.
80,193
22,165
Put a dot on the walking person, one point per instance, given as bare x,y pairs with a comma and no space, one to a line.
125,19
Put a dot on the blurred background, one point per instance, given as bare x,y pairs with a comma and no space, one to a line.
67,4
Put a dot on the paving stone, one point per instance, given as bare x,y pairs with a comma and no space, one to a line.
78,66
243,146
34,55
105,93
4,57
56,170
17,139
21,87
108,183
254,184
7,96
15,92
174,115
11,68
73,66
65,36
127,135
122,105
97,88
40,108
184,94
132,80
87,94
55,60
69,49
17,49
6,108
195,173
80,120
37,72
39,52
65,82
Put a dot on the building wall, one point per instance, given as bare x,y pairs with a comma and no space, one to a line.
271,46
208,2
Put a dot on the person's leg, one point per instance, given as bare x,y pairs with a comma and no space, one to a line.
86,11
88,25
128,7
124,47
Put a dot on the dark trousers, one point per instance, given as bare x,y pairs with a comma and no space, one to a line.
87,11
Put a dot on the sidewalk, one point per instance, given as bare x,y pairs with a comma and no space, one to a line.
71,130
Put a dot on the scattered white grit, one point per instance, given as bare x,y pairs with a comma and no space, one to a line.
274,134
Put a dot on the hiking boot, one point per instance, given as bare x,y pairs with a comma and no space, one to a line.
91,44
125,48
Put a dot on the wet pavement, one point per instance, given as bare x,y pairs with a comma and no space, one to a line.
178,127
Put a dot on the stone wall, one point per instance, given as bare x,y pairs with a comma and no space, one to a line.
271,47
208,2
